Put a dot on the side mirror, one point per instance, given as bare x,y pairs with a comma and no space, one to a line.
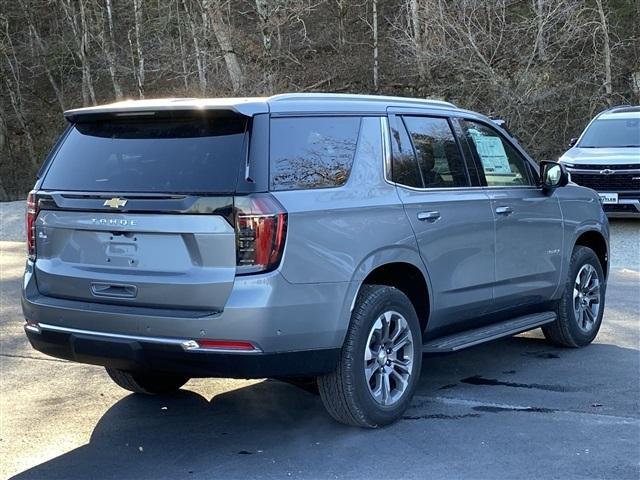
553,175
572,142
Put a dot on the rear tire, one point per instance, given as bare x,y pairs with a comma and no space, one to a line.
147,383
581,306
380,362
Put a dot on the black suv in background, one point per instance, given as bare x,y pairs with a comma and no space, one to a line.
606,158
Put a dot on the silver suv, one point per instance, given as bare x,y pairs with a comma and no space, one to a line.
324,238
606,158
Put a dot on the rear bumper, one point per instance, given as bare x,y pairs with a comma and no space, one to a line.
133,353
296,329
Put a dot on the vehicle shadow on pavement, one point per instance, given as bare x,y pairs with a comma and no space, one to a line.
270,428
184,433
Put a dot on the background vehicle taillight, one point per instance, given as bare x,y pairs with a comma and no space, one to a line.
32,213
261,229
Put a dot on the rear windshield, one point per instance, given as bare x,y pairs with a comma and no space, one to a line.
623,132
189,155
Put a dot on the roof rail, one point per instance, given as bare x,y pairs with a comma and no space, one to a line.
358,97
621,109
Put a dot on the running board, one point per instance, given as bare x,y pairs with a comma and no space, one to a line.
469,338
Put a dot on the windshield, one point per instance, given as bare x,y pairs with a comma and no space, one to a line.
171,155
622,132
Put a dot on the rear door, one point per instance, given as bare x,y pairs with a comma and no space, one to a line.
528,221
139,212
451,217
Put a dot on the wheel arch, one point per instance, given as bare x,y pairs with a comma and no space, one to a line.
596,241
409,280
399,267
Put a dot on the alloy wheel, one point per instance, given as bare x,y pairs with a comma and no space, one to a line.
388,358
586,297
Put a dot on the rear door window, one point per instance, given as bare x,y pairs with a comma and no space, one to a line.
181,155
312,152
404,166
437,152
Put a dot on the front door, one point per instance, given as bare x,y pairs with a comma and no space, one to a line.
528,221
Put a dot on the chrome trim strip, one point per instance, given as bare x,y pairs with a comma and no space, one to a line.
387,159
32,328
183,343
386,147
596,171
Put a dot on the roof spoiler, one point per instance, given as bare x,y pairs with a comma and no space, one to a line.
183,107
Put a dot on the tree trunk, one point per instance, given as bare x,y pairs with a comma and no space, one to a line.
606,47
262,7
374,22
221,31
84,52
415,20
137,15
4,151
200,54
110,52
39,43
540,36
183,54
15,98
342,18
81,39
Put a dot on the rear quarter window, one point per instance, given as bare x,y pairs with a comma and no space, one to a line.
312,152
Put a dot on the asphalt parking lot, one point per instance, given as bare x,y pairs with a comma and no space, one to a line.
517,408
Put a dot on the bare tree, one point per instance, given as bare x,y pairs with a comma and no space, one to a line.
374,29
43,54
137,58
264,16
222,32
109,49
77,21
544,65
13,81
201,60
606,52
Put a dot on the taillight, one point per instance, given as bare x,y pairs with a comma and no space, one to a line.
32,213
261,228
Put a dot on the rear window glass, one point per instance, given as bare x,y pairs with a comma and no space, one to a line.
440,162
623,132
187,155
312,152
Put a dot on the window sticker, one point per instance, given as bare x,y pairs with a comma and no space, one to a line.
492,154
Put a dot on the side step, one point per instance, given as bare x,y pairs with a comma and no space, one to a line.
469,338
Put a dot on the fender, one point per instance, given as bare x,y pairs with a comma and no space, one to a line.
383,256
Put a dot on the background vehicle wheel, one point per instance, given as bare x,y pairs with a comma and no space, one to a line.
582,304
147,383
380,362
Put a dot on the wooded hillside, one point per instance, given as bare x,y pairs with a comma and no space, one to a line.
546,66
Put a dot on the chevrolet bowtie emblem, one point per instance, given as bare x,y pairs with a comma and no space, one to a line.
115,202
607,171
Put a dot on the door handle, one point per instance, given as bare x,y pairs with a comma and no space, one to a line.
504,210
429,216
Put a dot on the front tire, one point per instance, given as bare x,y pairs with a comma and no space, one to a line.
147,383
581,306
380,362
